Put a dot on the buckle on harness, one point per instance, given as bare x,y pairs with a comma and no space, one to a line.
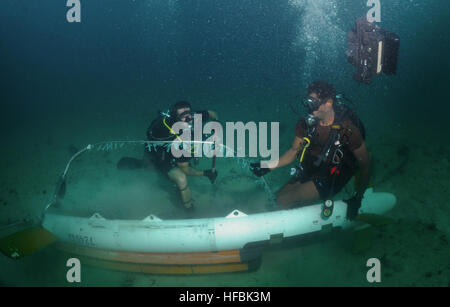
338,155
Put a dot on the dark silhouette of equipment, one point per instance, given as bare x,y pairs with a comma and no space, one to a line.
372,50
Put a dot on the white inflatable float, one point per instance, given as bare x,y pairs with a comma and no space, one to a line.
235,231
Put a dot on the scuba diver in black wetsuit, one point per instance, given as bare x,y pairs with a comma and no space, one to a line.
177,169
329,145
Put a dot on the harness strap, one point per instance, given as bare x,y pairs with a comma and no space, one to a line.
171,130
176,135
334,136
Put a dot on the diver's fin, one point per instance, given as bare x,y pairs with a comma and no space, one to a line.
26,242
130,163
373,219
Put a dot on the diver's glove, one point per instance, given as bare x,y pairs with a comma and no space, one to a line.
211,174
353,205
258,170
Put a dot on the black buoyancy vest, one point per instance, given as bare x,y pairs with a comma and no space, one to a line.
342,112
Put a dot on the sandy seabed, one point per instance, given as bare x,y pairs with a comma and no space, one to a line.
414,250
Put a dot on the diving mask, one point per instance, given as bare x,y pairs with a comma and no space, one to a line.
186,116
311,104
